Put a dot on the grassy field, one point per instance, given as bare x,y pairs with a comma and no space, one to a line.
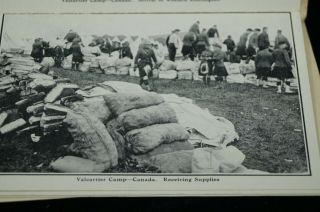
269,124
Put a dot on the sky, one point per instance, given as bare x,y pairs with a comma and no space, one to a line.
50,26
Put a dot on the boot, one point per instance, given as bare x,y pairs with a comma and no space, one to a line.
279,89
77,66
287,89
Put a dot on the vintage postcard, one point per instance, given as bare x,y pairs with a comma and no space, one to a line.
209,98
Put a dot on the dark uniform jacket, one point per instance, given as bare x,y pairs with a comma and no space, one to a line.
195,29
189,39
37,49
230,44
243,40
211,32
202,39
126,52
281,58
264,59
144,57
77,55
280,39
263,40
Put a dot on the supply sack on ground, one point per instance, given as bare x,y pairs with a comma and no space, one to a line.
121,87
208,160
95,106
247,68
123,62
170,74
91,139
47,62
122,102
185,75
122,70
107,61
93,92
145,139
110,70
67,63
168,65
187,65
163,149
174,162
139,118
72,164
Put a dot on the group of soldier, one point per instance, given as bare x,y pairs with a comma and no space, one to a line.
204,45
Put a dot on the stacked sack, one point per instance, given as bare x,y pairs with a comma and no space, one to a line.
107,64
187,69
168,70
141,123
67,63
123,66
247,67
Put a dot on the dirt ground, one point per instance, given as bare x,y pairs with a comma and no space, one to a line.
269,125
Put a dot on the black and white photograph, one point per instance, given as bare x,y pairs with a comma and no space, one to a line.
153,94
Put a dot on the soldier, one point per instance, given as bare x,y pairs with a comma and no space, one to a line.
281,38
202,42
253,44
144,61
282,68
195,28
77,56
263,63
263,39
188,45
125,51
37,50
220,70
242,44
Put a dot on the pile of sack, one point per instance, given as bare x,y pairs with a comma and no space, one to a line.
142,122
123,66
183,69
187,69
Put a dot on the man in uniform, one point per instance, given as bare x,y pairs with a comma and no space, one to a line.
195,28
263,39
144,61
253,44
